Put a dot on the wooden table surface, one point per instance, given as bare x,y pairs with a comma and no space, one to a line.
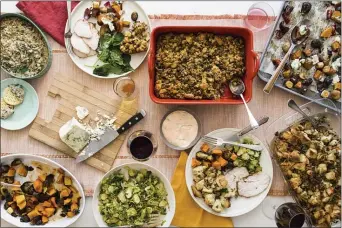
212,117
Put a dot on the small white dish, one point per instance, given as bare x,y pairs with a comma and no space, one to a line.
62,222
136,165
25,112
239,205
84,63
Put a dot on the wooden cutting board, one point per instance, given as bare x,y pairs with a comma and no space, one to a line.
74,94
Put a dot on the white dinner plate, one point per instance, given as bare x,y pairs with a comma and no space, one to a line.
239,205
138,165
25,112
60,222
85,63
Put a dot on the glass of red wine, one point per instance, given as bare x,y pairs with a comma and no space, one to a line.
142,145
289,215
260,16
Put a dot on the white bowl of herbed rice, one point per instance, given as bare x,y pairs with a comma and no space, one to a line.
25,50
130,193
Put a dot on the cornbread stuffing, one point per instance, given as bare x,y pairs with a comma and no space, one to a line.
197,65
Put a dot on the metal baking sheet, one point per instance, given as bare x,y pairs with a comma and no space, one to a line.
265,72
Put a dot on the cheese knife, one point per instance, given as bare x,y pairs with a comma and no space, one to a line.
250,128
108,136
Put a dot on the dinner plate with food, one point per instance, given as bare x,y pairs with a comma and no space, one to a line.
228,181
19,104
109,39
37,191
134,194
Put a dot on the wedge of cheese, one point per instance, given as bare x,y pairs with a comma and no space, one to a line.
74,135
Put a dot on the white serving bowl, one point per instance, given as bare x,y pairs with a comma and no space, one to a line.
136,165
62,222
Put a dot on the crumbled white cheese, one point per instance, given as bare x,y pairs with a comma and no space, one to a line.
101,122
338,39
82,112
336,79
336,64
302,61
315,59
302,30
295,64
109,23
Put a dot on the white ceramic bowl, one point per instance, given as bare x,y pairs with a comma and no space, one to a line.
239,205
135,165
62,222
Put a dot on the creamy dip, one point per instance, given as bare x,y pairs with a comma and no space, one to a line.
180,128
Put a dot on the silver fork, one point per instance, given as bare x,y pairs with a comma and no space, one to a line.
155,220
68,34
219,142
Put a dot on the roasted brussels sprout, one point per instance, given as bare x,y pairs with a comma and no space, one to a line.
316,43
306,7
134,16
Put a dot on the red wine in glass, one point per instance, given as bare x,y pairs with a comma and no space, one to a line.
289,215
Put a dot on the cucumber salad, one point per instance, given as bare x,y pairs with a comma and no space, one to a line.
132,197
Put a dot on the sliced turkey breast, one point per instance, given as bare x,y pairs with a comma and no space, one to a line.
78,44
82,29
235,175
79,54
253,185
94,40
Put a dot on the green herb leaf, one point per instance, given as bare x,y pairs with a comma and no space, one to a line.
107,69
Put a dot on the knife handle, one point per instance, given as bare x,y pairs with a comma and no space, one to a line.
132,121
249,128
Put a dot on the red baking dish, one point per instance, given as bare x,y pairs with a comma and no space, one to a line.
251,61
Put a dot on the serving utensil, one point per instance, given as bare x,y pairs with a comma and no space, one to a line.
293,105
294,43
68,34
7,185
237,87
219,142
249,128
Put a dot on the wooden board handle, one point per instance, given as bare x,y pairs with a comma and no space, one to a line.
270,84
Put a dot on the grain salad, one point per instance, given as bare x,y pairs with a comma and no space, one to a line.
24,52
197,65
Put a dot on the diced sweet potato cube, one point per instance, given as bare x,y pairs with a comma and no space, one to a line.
33,214
47,204
64,193
45,219
60,179
48,212
223,162
216,165
11,172
67,201
73,207
205,148
22,170
19,199
67,181
73,189
195,162
75,197
337,86
51,191
42,177
60,170
70,214
40,208
217,151
38,186
22,205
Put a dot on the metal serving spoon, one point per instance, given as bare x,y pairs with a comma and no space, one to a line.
295,41
293,105
237,87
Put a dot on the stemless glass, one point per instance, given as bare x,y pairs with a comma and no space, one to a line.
142,145
290,215
125,88
260,16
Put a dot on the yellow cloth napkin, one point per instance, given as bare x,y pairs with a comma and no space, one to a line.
188,213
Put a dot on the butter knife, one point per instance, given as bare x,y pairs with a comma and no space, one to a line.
249,128
108,136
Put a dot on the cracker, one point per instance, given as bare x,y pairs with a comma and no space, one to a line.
10,98
6,109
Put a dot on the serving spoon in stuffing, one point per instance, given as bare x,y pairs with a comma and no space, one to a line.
237,87
293,105
295,41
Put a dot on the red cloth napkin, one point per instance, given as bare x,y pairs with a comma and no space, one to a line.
49,16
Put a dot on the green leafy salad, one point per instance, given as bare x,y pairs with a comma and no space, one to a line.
109,53
130,197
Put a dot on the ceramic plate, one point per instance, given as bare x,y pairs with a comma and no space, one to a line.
239,205
170,194
24,113
84,63
60,222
